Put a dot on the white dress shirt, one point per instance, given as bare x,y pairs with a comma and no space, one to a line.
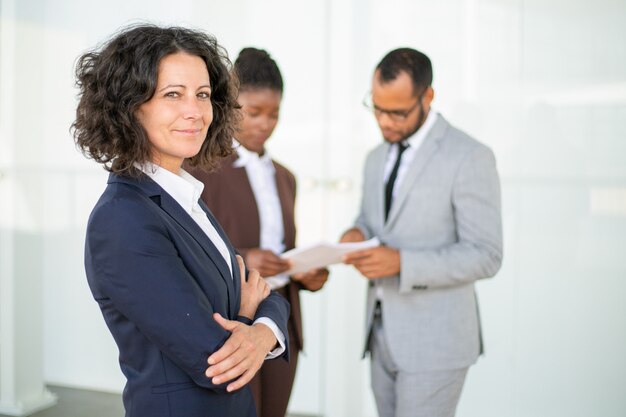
262,176
186,190
415,142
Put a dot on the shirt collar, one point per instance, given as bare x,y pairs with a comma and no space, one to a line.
183,188
418,137
248,157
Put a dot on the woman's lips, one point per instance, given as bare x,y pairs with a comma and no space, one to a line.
190,132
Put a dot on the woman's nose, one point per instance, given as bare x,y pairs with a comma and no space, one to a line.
191,108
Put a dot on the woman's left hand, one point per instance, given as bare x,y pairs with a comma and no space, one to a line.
242,355
312,280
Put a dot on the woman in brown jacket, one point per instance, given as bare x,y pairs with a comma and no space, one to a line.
259,217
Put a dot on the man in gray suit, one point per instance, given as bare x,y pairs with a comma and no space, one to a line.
431,195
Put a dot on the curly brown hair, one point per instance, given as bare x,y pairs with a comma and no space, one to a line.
117,78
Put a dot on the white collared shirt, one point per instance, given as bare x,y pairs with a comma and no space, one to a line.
262,176
415,142
186,190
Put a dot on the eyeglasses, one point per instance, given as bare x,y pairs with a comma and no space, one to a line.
394,115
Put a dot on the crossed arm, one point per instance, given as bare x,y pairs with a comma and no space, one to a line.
136,268
248,345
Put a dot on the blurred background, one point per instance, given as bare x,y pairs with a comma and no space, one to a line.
542,82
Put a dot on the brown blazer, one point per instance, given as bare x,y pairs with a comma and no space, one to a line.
229,196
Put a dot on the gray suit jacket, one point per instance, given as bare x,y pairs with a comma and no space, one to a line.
446,222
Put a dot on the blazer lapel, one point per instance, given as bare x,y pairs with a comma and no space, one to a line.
180,216
378,163
421,159
285,197
238,177
234,284
171,207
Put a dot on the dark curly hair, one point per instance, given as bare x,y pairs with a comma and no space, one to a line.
117,78
255,69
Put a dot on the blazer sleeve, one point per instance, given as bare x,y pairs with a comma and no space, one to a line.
477,253
133,266
361,220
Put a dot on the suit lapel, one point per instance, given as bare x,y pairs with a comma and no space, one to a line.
243,186
421,159
285,198
180,216
234,282
378,162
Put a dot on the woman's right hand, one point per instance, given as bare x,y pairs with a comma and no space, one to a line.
253,291
266,262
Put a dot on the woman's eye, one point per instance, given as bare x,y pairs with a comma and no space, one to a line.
204,95
172,94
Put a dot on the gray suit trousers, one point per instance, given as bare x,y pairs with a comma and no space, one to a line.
400,393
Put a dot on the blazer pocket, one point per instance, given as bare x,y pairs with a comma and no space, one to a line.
166,388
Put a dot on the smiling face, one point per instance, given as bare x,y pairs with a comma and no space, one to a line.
177,117
261,108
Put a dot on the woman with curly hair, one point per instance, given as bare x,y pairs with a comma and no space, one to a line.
192,331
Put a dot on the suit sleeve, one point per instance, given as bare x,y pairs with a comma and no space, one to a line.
133,266
361,220
477,253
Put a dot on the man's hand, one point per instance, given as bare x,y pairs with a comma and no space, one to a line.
312,280
253,291
352,235
374,263
242,355
266,262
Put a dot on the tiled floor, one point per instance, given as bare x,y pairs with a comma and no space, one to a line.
84,403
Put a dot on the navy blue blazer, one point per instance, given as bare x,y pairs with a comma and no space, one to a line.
158,280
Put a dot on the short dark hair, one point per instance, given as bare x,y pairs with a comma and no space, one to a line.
117,78
416,64
255,69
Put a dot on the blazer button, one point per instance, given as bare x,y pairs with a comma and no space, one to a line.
420,287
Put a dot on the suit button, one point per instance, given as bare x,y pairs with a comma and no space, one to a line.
420,287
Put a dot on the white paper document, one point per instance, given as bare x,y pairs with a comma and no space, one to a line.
323,254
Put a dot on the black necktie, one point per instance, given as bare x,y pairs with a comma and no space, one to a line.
392,178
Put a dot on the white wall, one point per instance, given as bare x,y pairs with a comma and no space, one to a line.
542,82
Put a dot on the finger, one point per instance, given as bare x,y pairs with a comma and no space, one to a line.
272,257
234,371
362,270
254,275
263,287
270,272
371,272
243,380
222,353
226,324
353,256
277,263
299,276
370,262
242,268
228,369
231,344
219,368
